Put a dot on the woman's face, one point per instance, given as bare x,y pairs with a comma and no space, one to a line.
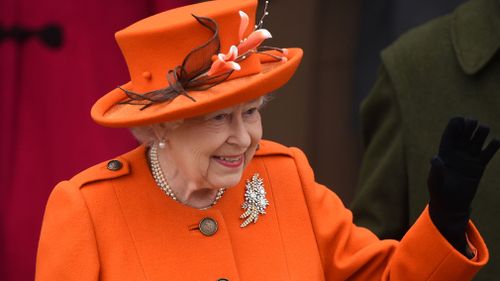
211,151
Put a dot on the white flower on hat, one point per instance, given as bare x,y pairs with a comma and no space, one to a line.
246,46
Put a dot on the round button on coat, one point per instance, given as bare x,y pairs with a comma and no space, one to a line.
114,165
208,226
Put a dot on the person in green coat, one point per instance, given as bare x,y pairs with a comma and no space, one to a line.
447,67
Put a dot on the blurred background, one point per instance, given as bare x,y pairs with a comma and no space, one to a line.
58,56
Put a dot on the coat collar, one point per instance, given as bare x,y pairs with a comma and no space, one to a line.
476,33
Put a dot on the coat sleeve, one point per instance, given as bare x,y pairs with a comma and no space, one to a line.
349,252
67,249
381,202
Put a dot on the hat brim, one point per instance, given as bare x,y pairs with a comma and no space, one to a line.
107,112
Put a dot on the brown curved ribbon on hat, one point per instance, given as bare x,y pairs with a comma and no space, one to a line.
189,76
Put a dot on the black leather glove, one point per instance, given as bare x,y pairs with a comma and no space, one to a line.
454,177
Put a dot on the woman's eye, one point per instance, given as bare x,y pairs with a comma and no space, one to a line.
251,111
220,117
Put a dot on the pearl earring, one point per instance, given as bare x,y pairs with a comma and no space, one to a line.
161,144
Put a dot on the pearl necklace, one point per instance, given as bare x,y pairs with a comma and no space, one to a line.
162,183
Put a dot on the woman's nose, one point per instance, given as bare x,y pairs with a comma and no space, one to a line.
239,133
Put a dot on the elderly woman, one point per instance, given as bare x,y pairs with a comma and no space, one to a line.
205,198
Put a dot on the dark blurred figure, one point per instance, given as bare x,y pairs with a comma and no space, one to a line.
53,53
447,67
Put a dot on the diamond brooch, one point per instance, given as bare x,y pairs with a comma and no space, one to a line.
255,200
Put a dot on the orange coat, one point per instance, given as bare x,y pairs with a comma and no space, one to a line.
118,225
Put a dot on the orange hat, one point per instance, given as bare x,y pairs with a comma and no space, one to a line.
194,60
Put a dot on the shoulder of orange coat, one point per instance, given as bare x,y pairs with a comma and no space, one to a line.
101,171
270,148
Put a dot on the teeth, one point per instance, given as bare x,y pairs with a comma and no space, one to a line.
229,159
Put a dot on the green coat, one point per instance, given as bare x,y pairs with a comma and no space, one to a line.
447,67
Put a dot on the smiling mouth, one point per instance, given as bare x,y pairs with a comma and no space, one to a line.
229,161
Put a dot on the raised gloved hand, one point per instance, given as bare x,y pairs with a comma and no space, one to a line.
454,177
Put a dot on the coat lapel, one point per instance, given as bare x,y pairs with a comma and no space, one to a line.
476,33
